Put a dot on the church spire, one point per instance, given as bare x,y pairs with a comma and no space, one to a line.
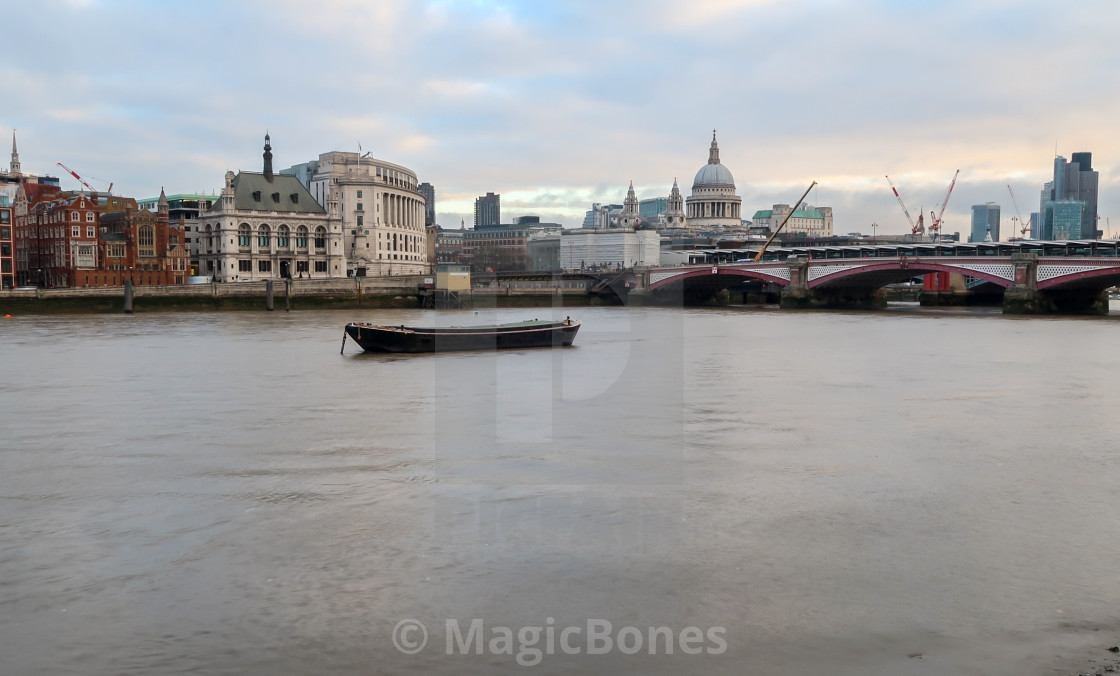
14,167
267,158
713,154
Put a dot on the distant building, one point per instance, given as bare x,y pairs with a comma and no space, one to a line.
543,252
383,211
599,217
429,193
183,210
609,249
808,221
14,175
713,203
487,210
269,226
652,209
985,223
7,245
1074,181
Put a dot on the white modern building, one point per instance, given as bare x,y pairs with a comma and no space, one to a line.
383,212
266,226
810,220
611,248
713,203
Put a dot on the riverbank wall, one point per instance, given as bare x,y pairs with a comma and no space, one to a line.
293,295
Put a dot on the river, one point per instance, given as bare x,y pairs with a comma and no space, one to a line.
902,492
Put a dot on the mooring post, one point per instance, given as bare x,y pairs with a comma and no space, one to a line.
128,296
268,295
287,295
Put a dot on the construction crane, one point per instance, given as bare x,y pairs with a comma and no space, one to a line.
935,219
81,180
1023,225
915,228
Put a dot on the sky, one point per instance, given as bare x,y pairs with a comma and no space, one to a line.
555,105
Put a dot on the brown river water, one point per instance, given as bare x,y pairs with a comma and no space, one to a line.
901,492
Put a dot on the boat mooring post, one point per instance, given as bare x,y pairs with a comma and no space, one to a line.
268,295
288,295
128,296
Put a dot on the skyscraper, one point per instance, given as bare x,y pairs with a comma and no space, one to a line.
1068,204
984,216
429,193
487,210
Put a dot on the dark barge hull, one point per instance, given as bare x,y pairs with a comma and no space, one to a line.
374,338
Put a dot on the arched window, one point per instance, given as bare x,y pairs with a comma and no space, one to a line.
282,237
301,237
263,233
244,235
73,215
320,237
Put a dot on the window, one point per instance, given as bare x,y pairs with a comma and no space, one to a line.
263,233
320,266
5,216
320,237
301,237
360,206
5,249
91,231
302,266
360,221
244,266
89,217
76,231
146,241
5,233
85,256
264,266
73,215
359,197
116,251
282,237
244,234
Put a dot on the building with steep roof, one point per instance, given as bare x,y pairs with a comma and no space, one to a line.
268,226
628,218
713,203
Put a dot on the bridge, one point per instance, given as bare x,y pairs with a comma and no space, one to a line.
1033,277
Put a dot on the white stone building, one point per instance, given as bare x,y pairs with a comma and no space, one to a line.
810,220
611,248
713,203
629,217
267,226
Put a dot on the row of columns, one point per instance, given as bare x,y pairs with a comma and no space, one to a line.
718,210
402,211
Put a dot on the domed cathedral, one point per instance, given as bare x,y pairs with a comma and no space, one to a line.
713,202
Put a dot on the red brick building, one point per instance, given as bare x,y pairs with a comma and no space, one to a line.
79,240
7,245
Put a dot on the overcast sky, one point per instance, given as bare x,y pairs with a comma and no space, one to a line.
555,105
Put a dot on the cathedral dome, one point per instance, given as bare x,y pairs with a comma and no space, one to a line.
713,176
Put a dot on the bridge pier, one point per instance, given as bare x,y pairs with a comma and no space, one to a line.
1025,298
798,295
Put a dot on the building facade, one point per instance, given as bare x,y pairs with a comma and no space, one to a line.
985,223
1074,181
487,210
808,221
429,193
269,226
184,210
383,211
628,218
652,209
7,245
713,203
609,249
